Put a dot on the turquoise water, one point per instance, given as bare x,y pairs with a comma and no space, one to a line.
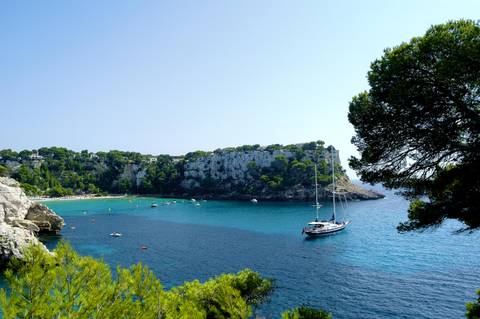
367,271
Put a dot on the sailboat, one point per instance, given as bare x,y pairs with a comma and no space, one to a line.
318,228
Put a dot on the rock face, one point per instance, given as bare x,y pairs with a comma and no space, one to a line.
44,218
287,175
235,167
21,220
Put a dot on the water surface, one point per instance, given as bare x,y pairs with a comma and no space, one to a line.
367,271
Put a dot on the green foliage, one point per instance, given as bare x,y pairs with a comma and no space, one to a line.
58,191
30,190
274,147
4,171
63,172
56,171
9,155
163,176
192,156
317,145
305,312
473,308
67,285
252,165
418,127
247,148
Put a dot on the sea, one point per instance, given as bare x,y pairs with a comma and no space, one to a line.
369,270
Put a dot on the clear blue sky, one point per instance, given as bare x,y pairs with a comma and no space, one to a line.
172,77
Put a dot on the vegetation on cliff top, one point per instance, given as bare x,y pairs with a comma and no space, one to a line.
57,171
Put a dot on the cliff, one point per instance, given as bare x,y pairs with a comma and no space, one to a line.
266,173
21,220
274,172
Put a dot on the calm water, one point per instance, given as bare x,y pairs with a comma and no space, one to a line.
367,271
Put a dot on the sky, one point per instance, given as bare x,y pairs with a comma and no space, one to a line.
169,77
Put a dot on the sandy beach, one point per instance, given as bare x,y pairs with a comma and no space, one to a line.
75,197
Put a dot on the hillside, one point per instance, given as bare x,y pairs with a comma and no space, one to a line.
273,172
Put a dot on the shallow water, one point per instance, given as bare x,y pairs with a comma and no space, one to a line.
367,271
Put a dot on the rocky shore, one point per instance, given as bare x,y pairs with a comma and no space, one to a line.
344,186
22,220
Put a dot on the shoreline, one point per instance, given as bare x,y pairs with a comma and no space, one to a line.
75,197
373,195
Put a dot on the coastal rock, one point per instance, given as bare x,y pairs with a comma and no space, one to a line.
13,240
237,174
14,204
21,219
353,191
46,220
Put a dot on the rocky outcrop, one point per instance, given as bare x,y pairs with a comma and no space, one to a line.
285,173
352,191
21,220
44,218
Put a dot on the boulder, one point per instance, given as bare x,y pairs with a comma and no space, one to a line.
13,240
46,220
14,204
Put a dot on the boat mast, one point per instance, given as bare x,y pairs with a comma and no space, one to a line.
317,205
333,186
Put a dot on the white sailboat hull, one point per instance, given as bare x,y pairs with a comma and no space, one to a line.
325,229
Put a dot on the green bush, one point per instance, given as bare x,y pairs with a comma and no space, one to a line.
30,190
473,308
4,171
67,285
305,312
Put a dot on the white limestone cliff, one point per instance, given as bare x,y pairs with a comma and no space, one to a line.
21,220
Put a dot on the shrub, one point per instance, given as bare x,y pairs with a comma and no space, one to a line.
67,285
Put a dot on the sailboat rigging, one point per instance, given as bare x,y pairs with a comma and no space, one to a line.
319,228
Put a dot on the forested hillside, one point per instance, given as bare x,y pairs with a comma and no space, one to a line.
249,169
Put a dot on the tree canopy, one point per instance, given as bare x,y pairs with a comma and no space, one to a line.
305,312
67,285
57,171
473,308
418,126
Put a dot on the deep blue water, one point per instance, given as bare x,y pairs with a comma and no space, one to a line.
367,271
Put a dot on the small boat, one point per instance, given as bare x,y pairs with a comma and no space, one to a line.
143,247
197,204
325,227
154,205
193,200
254,200
115,234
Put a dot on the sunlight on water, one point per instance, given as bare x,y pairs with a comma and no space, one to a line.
367,271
